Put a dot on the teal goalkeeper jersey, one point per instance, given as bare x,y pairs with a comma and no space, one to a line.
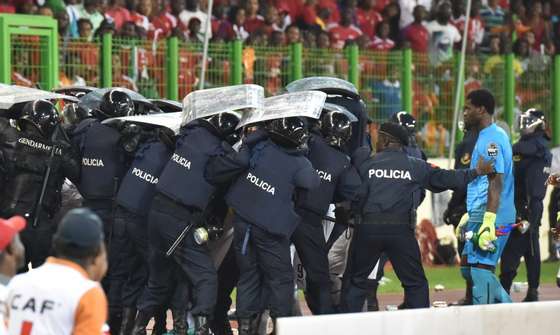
492,144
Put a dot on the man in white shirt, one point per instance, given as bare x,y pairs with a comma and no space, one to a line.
12,256
443,35
407,9
193,11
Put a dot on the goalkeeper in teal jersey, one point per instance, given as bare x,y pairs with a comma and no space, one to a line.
490,201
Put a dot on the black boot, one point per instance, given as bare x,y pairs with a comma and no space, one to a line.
180,326
221,327
128,317
372,304
532,295
201,326
115,321
160,322
141,322
245,326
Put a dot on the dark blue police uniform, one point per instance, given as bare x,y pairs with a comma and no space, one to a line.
532,160
135,196
183,194
388,218
262,198
104,163
339,182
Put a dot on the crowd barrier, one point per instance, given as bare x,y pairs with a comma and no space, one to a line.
500,319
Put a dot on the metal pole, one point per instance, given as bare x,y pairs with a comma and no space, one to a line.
296,58
106,60
172,68
556,102
353,54
236,62
509,102
460,83
406,73
207,31
5,62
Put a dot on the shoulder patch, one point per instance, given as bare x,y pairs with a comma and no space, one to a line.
492,150
517,158
466,159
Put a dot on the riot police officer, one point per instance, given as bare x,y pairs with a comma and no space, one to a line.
457,205
134,198
339,182
182,204
106,152
532,160
388,217
35,158
271,172
408,122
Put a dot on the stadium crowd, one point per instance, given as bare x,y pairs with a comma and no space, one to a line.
373,24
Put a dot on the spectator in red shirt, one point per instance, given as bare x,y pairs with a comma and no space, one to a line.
415,33
270,21
139,19
233,28
344,31
7,7
381,41
308,18
163,22
367,17
118,12
332,7
253,20
293,7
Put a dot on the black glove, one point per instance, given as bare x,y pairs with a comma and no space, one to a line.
452,216
166,137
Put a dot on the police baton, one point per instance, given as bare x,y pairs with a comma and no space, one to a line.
39,204
179,239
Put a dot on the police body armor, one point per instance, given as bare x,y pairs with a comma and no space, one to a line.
138,186
103,160
392,185
27,160
330,164
182,178
264,194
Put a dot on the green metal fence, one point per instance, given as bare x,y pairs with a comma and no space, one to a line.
388,81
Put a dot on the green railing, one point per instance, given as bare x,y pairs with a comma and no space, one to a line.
388,81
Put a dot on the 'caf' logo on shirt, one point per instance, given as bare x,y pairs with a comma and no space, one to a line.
492,150
466,159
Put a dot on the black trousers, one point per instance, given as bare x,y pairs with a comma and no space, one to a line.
165,222
264,261
38,241
552,210
311,247
116,243
228,275
135,268
521,245
398,242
